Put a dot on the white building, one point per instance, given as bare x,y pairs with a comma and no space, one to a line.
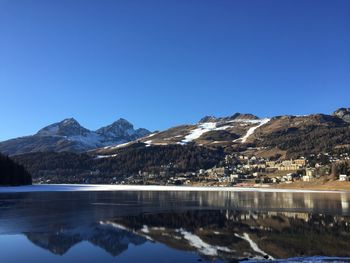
306,178
343,177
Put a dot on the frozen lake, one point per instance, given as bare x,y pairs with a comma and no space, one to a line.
61,224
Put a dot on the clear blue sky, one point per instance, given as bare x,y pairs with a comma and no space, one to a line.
167,62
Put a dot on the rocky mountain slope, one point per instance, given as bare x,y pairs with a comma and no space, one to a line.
69,135
289,136
304,135
209,131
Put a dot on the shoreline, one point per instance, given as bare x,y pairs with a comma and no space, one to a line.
102,187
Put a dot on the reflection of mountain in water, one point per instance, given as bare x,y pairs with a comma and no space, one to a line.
112,240
231,234
224,225
223,234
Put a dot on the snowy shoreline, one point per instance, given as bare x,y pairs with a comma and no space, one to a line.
92,187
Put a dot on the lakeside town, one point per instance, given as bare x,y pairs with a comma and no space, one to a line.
251,171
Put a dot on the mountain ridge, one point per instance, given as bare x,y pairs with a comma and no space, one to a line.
69,135
185,149
241,131
235,131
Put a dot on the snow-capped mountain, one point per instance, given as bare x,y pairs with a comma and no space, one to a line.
191,147
67,127
209,131
121,130
69,135
279,135
285,135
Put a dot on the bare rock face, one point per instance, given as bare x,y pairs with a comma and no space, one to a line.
343,113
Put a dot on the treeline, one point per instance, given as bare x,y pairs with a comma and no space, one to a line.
307,140
77,168
13,174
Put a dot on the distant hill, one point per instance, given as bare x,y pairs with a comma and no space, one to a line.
13,174
69,135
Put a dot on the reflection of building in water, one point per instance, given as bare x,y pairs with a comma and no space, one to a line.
308,200
294,215
344,202
336,203
288,200
247,217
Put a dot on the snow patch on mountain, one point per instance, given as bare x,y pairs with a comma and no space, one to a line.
117,145
106,156
214,126
196,133
151,135
148,143
252,129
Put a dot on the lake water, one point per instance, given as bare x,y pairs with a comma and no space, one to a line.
142,226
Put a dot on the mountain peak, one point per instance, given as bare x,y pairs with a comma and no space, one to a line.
70,121
116,128
66,127
208,119
343,113
122,122
69,135
243,116
122,129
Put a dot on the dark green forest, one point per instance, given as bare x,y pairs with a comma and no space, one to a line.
13,174
69,167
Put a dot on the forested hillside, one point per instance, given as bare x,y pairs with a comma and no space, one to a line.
81,168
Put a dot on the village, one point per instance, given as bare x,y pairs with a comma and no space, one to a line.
252,171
